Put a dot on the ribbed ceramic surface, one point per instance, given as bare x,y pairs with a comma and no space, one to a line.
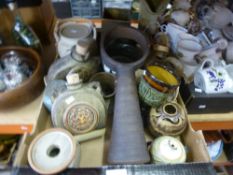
179,169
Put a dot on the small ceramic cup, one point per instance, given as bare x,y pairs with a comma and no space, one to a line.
107,83
213,79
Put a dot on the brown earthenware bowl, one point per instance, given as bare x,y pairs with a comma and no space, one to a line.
31,87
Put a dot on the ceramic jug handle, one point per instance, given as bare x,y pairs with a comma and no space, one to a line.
88,136
173,96
96,86
85,137
206,64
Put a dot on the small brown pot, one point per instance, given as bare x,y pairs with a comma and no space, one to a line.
30,88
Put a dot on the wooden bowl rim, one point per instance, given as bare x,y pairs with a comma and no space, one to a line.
33,55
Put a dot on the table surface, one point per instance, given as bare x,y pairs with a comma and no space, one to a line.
22,119
211,121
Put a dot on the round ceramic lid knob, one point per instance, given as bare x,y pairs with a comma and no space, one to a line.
52,151
82,47
72,78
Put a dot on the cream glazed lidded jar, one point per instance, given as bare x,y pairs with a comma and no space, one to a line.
166,149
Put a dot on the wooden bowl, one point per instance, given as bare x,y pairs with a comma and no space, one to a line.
28,89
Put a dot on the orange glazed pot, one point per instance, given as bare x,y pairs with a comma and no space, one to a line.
30,88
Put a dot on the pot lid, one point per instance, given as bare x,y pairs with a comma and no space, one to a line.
52,151
74,30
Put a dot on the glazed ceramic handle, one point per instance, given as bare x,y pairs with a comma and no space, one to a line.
128,144
207,64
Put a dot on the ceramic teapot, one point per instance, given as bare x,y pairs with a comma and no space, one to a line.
81,108
82,57
68,32
169,119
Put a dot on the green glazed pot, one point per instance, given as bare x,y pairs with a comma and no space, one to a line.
150,95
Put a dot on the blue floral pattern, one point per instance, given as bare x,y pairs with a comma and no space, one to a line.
214,76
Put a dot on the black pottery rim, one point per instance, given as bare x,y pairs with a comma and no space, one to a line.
106,59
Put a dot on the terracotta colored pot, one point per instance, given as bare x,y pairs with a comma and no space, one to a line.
31,87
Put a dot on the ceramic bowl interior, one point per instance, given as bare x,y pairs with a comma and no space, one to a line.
162,76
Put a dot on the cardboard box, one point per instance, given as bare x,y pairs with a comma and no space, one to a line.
94,152
202,103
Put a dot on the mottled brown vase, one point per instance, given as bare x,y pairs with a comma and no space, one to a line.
31,87
169,119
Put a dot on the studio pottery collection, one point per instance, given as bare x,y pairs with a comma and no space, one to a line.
174,42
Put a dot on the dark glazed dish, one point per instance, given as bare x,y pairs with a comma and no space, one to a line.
31,87
124,49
